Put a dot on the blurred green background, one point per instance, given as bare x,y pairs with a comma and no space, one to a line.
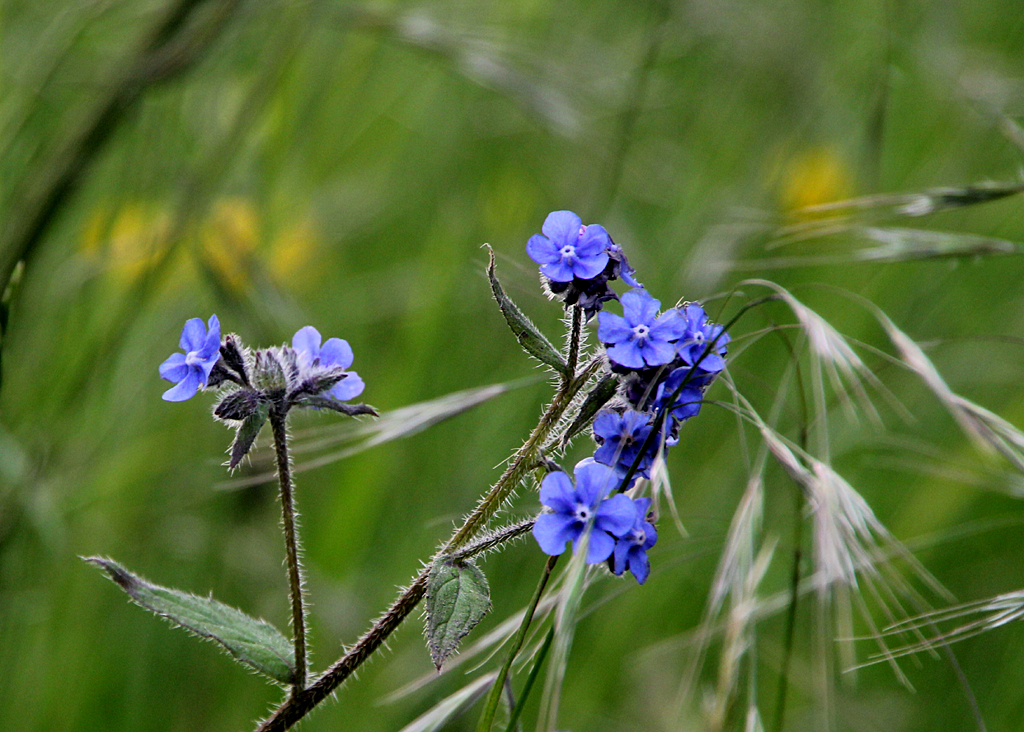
339,165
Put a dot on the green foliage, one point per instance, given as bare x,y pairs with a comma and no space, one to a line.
457,599
530,338
252,642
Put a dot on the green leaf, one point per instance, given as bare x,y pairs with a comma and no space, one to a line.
457,599
246,434
255,643
597,397
529,337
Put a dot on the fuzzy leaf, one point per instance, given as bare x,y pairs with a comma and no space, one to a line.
597,397
255,643
529,337
246,434
238,405
457,599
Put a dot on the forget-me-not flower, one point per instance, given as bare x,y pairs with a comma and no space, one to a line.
699,333
575,506
334,353
687,404
631,546
642,337
567,249
621,436
191,369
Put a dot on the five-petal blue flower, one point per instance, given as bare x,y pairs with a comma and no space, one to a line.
631,547
573,508
698,334
642,336
191,369
334,353
568,249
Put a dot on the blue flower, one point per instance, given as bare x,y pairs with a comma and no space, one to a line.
699,333
622,268
574,507
620,438
641,337
687,404
335,353
191,369
568,249
631,546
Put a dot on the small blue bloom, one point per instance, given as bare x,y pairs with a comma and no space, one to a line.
687,404
622,268
699,333
334,353
631,546
191,369
568,249
620,438
574,507
641,337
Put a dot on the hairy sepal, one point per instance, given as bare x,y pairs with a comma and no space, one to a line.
245,436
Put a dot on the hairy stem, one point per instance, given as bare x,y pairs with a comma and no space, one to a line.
302,702
573,355
487,718
291,543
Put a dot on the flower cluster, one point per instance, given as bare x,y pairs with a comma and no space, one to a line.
665,362
619,531
577,262
308,373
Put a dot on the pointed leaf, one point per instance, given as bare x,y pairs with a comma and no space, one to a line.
457,599
246,434
529,337
255,643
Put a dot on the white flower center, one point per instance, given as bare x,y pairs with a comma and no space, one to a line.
192,358
641,331
568,251
582,512
639,537
698,337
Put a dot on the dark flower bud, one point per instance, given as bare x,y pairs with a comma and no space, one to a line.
238,405
233,358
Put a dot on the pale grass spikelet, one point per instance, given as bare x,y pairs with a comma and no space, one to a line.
987,430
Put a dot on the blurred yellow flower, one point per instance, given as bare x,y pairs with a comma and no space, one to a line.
130,240
812,177
229,237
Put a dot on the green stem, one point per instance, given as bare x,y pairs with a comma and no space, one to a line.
487,718
291,543
528,686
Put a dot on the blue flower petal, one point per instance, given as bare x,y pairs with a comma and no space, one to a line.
595,240
211,344
657,353
650,532
608,453
556,492
627,354
599,547
639,564
669,326
336,352
617,515
559,271
186,389
587,268
594,481
553,530
620,556
639,307
306,343
174,368
348,388
607,424
562,227
612,328
192,335
541,250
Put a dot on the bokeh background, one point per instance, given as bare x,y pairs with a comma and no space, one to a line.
286,163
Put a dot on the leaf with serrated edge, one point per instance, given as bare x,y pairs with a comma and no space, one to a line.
457,599
255,643
529,337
